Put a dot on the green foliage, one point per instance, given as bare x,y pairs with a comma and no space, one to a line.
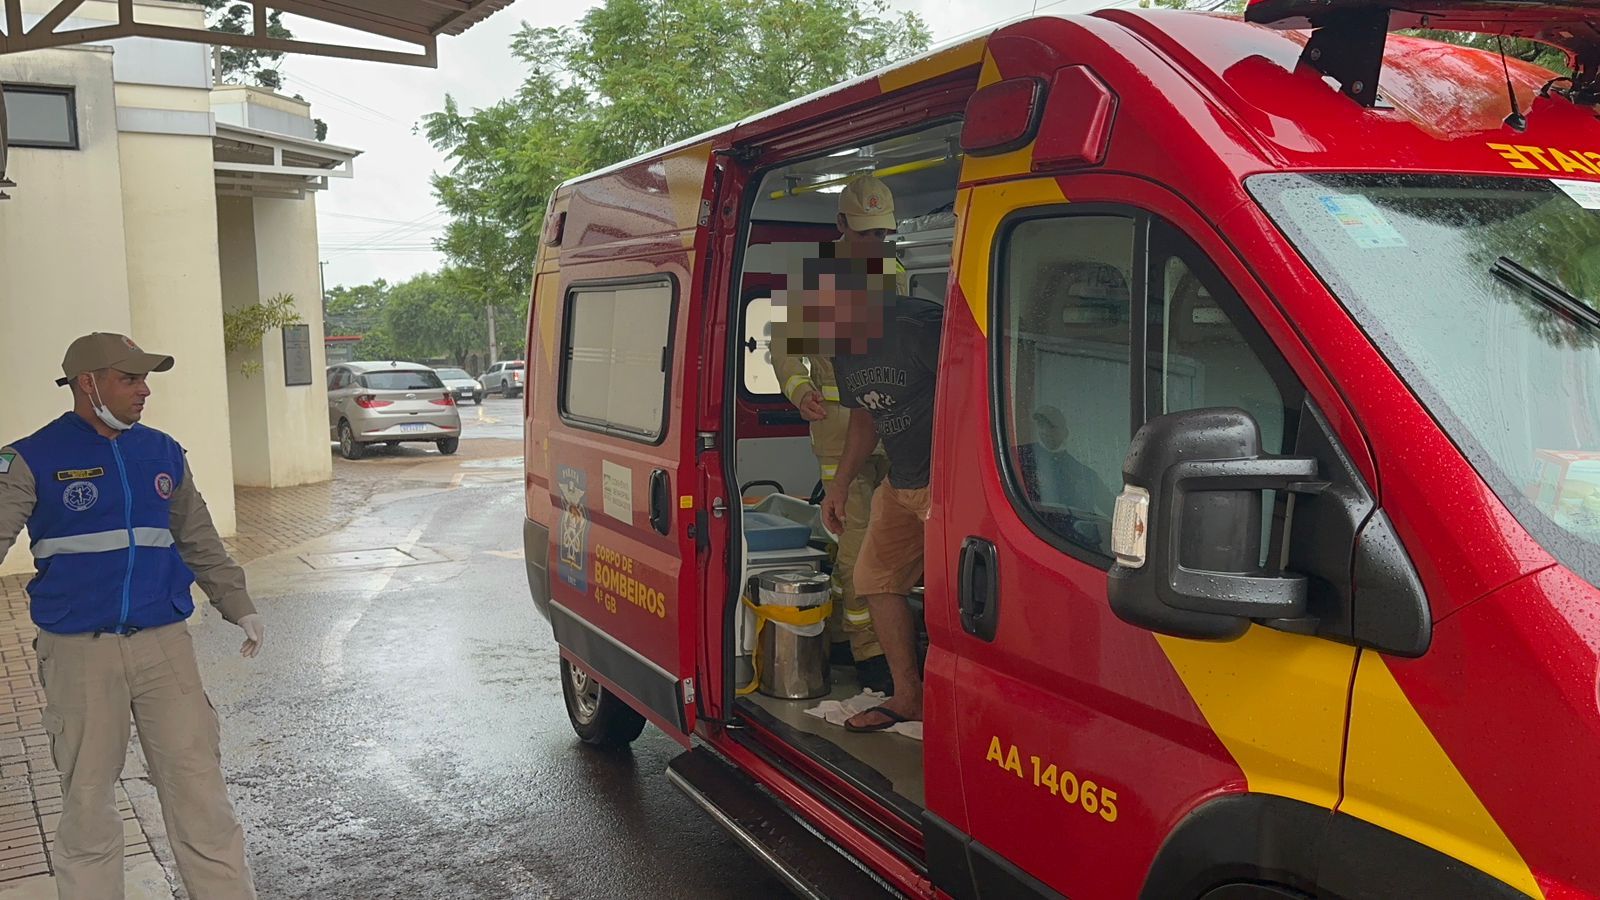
243,328
431,316
632,75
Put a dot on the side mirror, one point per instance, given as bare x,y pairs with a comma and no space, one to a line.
1188,528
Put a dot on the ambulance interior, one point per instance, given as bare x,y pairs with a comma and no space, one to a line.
778,474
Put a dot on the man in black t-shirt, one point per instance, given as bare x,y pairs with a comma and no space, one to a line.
886,356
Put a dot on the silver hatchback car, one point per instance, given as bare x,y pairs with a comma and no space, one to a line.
387,403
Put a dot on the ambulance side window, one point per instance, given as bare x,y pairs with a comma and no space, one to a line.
616,355
1203,351
1198,355
1066,319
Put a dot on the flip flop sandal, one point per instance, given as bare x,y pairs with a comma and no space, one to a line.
893,718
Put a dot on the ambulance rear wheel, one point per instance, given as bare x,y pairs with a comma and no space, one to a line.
598,717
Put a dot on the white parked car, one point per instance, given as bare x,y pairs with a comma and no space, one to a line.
390,403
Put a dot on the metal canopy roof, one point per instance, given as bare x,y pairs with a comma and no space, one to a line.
416,22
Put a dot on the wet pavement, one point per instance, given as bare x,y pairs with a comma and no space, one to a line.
403,735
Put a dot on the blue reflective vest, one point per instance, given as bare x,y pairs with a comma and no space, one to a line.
101,529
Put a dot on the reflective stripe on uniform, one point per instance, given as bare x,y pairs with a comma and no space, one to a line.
831,392
857,616
829,471
794,382
102,542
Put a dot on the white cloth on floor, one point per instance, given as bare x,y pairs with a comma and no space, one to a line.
838,712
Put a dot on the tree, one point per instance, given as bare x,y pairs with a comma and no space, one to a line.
250,66
630,76
258,66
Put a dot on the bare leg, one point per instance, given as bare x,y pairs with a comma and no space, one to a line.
891,617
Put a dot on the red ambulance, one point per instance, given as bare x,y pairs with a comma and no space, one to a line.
1308,304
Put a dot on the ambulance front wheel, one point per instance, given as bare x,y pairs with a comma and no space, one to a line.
597,716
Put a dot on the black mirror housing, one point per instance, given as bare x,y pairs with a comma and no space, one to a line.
1188,530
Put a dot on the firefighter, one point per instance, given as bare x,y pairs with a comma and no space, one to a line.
118,533
865,220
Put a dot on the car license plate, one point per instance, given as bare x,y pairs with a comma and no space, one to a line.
414,426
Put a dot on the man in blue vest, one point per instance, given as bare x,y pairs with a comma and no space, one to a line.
119,533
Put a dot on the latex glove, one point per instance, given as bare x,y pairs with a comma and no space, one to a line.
811,408
255,632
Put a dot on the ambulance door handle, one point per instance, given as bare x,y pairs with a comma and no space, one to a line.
660,502
978,582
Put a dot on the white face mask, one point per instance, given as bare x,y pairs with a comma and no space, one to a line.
104,413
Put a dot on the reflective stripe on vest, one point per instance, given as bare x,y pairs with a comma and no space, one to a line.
102,542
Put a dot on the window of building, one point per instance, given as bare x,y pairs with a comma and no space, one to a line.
617,355
41,117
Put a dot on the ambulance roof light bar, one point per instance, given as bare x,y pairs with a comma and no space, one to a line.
1348,36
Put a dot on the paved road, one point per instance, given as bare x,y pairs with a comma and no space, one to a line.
403,735
496,418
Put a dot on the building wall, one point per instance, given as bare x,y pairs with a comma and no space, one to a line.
175,296
280,432
62,246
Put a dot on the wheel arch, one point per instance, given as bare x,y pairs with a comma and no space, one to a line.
1267,839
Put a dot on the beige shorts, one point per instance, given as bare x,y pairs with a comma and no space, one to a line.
891,556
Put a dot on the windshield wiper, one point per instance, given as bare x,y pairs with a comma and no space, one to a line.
1546,292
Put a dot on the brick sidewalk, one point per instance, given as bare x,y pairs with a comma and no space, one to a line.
270,521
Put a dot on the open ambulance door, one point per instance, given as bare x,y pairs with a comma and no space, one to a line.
624,485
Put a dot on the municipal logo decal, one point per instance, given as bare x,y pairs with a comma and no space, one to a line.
6,459
164,486
80,495
573,547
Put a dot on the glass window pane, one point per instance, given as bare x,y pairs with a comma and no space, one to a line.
589,354
1068,321
1199,359
617,357
39,118
759,376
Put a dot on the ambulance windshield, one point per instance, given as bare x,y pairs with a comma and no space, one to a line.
1485,295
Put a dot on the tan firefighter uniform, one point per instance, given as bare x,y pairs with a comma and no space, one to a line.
800,375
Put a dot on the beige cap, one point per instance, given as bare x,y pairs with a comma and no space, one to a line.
867,204
104,350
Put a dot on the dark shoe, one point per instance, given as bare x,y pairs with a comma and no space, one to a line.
839,654
883,719
873,674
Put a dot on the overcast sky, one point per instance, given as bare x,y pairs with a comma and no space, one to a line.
380,224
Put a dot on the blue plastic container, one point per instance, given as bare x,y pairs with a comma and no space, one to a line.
765,531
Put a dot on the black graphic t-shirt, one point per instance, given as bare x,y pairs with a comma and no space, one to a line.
894,382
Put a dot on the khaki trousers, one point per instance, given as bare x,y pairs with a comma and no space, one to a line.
91,684
851,621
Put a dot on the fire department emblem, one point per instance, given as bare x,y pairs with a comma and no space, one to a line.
164,486
80,495
573,544
131,345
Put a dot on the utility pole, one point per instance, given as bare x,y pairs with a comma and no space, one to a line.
494,345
